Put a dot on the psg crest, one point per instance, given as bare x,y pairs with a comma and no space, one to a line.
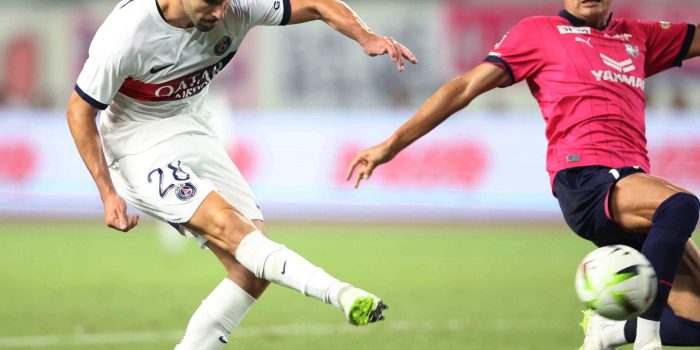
222,45
185,191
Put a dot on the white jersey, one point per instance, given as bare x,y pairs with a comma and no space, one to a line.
152,78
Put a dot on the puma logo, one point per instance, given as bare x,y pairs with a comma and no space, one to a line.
587,42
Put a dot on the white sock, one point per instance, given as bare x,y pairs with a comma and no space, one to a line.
276,263
648,331
217,316
614,334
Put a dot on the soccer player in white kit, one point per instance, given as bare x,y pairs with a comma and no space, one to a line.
149,68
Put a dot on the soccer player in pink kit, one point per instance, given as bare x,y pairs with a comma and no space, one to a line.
149,69
587,70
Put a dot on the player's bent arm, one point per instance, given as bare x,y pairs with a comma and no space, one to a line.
450,98
694,50
343,19
81,122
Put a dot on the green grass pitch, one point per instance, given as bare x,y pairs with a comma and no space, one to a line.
78,285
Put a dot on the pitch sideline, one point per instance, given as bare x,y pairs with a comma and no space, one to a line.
280,330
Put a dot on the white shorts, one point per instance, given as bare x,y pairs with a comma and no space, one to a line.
170,180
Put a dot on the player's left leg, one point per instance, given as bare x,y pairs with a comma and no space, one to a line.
644,203
685,295
680,322
221,312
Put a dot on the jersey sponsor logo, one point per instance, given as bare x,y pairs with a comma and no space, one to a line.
623,66
185,191
574,30
176,89
222,45
606,75
155,70
587,42
632,50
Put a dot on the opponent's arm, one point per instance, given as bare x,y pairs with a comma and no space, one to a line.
447,100
344,20
81,121
695,45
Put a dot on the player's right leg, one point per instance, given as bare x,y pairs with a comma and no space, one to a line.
223,225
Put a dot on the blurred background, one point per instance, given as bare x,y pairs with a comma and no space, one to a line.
293,108
298,102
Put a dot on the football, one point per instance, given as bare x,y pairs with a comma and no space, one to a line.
616,281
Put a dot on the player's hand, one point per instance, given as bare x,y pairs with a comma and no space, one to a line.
380,45
367,160
115,214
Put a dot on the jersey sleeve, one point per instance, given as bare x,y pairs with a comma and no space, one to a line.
270,12
518,53
103,73
667,45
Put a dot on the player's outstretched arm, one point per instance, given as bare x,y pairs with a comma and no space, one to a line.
342,18
694,50
447,100
81,121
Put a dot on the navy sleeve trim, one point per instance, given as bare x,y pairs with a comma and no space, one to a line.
689,36
499,61
97,104
287,12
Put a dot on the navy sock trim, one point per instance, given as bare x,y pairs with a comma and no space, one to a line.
631,330
673,223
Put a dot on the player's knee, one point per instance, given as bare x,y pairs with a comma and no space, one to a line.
680,211
230,227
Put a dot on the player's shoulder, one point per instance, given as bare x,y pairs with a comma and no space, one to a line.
538,21
633,26
128,21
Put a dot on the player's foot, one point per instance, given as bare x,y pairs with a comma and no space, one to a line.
360,307
593,325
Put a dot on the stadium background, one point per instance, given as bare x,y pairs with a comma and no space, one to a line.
459,234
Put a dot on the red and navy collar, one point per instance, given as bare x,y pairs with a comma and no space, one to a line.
577,22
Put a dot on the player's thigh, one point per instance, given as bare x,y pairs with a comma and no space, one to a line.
237,272
636,198
162,181
233,205
218,168
685,295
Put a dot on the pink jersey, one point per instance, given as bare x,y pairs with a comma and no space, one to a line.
589,83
